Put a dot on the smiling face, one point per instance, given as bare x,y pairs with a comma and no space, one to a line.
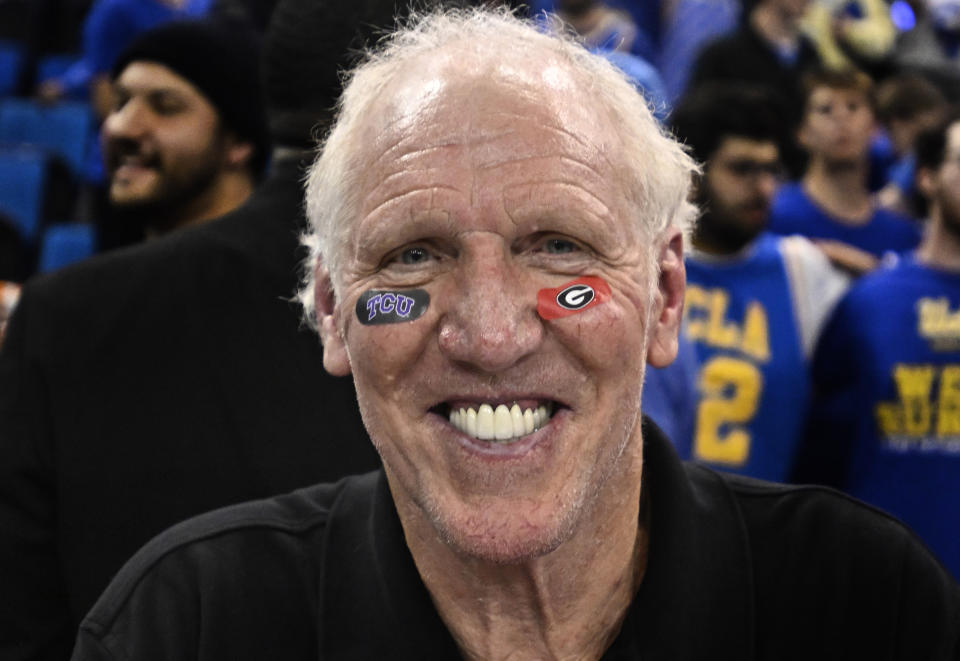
163,142
482,194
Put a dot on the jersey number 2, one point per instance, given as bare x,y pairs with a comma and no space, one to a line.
730,392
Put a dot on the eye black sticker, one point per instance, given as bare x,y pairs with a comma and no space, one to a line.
573,297
382,306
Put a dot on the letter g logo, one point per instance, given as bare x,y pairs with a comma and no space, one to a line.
575,297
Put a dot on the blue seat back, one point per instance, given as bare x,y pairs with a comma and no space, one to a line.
23,172
64,129
11,61
66,243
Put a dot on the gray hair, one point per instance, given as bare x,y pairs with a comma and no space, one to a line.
659,171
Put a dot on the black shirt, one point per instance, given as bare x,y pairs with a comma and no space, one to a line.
147,386
737,569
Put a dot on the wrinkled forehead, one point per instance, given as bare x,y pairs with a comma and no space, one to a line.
457,98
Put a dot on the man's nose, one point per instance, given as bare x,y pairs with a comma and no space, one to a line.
768,183
128,121
491,323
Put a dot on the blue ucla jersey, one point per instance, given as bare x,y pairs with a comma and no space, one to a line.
794,212
754,381
885,425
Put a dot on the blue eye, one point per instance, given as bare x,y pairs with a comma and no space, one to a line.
415,255
559,246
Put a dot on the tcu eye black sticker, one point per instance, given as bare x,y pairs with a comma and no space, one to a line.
573,297
381,306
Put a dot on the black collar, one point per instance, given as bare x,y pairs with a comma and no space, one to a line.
696,600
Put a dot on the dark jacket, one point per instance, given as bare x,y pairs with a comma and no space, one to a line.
147,386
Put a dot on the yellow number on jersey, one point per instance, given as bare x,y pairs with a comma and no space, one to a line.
730,394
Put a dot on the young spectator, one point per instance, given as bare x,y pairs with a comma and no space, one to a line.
906,105
755,301
886,422
832,201
769,50
185,139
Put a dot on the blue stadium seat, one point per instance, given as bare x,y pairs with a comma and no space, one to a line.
11,60
51,66
66,243
65,129
23,172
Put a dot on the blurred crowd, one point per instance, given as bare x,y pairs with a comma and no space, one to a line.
151,153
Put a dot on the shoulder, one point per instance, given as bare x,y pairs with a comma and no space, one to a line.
790,196
813,547
904,227
251,549
882,287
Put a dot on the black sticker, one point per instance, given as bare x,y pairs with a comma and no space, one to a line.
382,306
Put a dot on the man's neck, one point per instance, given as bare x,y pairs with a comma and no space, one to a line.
840,189
940,247
567,604
773,27
718,243
227,192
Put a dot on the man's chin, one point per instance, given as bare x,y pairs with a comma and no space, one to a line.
496,537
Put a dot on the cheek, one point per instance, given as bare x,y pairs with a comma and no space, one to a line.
608,337
381,355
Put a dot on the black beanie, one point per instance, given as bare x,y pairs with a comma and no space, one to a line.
222,60
308,45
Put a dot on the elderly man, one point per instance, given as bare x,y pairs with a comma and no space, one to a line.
500,223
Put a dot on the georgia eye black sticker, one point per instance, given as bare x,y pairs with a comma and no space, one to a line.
382,306
575,296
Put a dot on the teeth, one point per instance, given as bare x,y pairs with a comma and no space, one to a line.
502,424
485,422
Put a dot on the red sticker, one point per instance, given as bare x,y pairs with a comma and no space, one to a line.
575,296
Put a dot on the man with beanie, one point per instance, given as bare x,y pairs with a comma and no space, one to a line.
173,377
185,138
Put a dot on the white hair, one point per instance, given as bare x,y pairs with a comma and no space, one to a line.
658,170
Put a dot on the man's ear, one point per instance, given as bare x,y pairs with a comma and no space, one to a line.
336,360
800,136
238,152
663,342
926,180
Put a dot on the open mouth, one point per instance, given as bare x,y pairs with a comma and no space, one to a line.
500,423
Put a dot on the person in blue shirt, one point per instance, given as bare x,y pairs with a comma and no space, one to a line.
832,201
755,301
110,27
886,421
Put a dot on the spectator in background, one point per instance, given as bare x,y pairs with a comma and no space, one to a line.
932,46
185,139
147,385
768,50
110,27
886,423
906,105
832,202
755,302
600,26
